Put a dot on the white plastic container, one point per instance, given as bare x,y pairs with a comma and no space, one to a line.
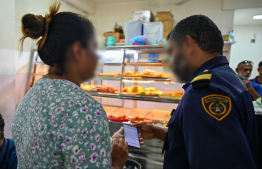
132,29
144,16
153,31
258,106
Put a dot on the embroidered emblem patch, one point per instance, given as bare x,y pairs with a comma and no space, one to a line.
217,106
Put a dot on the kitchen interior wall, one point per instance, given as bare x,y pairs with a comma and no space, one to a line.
14,65
39,7
244,49
108,14
7,63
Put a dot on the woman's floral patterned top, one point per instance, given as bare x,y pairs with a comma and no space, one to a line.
58,125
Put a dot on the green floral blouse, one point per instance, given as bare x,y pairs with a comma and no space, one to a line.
58,125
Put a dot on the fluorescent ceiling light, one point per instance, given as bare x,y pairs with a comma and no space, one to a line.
257,17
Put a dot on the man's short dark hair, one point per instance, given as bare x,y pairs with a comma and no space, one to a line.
2,125
260,64
203,30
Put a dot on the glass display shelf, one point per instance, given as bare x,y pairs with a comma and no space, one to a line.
145,79
134,97
151,64
124,61
107,78
133,78
136,47
112,64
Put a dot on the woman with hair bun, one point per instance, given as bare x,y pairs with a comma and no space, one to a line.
57,124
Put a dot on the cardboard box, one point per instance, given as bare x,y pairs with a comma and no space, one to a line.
144,16
117,35
167,19
153,31
132,29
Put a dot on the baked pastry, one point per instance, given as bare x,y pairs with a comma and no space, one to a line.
117,115
110,74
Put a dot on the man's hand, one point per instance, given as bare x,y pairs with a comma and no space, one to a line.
148,131
247,84
145,129
251,89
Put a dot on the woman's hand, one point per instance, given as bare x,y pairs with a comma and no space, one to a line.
119,153
119,133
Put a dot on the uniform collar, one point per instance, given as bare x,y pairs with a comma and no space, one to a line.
256,79
3,150
210,64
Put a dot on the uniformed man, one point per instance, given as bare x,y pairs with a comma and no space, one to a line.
214,124
258,79
244,70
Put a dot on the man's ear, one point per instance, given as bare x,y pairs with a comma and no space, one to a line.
1,134
189,43
258,69
237,70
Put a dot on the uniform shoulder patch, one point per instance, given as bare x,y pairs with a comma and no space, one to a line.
217,106
206,75
202,79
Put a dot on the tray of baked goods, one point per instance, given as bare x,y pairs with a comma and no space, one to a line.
147,74
152,92
137,115
131,75
109,75
98,88
144,64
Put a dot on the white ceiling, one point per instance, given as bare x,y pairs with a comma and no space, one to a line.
245,16
112,1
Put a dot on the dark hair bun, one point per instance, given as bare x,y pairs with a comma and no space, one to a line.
33,26
56,33
36,26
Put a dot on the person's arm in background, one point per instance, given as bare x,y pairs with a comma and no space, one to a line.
213,131
251,90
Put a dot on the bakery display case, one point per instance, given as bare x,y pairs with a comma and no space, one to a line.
130,82
132,87
134,72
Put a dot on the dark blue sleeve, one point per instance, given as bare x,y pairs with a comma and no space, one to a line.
214,142
257,87
12,164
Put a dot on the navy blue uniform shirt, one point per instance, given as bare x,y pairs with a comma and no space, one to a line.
257,87
8,159
214,124
255,80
